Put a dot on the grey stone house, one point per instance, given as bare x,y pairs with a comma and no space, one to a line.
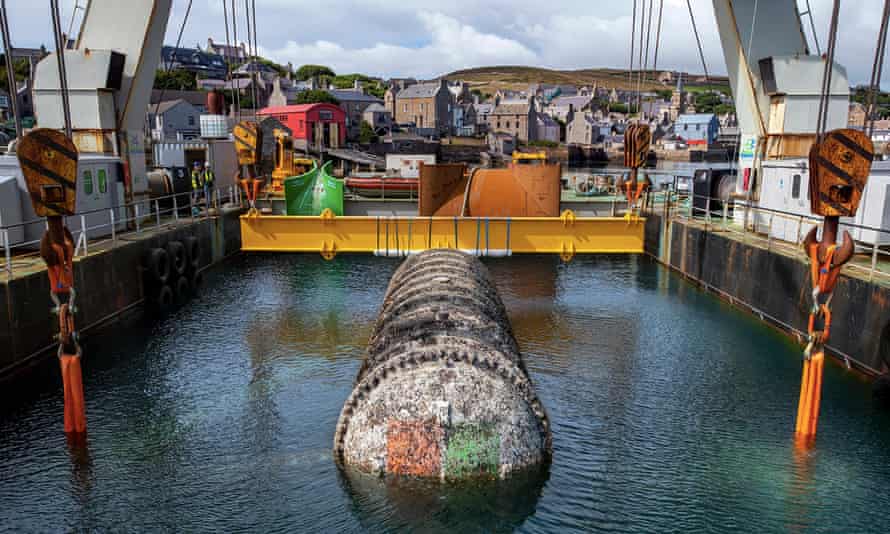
173,119
354,102
426,106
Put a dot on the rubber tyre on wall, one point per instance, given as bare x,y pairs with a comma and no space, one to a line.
182,290
193,251
177,257
157,265
161,299
196,281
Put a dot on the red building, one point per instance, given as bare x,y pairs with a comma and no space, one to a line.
308,122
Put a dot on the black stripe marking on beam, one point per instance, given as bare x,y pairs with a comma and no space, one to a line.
43,171
51,143
835,170
852,145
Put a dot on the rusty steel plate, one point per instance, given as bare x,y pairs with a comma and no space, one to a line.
49,164
248,142
441,189
839,168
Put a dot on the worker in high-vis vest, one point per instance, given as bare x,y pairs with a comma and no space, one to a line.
197,185
208,179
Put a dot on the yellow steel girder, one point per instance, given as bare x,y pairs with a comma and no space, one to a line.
328,235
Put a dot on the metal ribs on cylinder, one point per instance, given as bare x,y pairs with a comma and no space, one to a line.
443,391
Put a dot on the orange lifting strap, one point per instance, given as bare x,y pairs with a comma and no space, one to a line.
824,278
61,275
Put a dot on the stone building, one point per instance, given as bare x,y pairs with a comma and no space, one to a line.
354,102
519,120
378,117
426,106
857,116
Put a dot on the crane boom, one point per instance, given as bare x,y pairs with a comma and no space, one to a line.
111,72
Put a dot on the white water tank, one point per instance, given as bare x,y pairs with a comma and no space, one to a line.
10,210
214,127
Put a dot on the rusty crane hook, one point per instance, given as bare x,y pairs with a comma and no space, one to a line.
842,254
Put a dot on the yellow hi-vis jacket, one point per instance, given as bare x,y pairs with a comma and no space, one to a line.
197,180
208,177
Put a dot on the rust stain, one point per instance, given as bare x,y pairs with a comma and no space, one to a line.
414,448
517,191
441,189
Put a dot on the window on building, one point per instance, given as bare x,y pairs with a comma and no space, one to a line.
508,124
685,127
88,182
499,124
326,115
103,181
795,186
405,108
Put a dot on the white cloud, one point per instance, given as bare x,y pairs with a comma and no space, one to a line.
424,38
452,45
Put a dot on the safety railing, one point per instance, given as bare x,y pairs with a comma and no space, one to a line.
108,225
771,228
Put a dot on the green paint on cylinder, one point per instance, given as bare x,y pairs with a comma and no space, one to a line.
473,449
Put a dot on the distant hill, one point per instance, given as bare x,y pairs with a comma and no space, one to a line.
490,79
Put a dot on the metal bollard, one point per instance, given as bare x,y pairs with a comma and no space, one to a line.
113,224
157,213
136,211
874,260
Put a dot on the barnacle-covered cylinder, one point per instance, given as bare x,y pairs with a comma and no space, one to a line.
443,391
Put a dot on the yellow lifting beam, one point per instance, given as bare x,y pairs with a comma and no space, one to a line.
328,235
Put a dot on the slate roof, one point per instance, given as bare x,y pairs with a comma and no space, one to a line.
577,102
167,105
695,118
420,90
348,95
511,109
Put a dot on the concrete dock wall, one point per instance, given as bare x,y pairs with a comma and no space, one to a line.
107,283
777,286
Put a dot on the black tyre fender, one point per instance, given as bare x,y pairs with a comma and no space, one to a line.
177,257
161,299
196,281
193,251
182,290
157,265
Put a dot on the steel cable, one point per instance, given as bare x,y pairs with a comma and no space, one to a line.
824,97
185,19
633,28
701,52
237,100
876,70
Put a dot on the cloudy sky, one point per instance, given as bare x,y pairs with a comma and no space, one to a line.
424,38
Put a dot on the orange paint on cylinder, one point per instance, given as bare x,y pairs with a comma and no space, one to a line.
72,382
